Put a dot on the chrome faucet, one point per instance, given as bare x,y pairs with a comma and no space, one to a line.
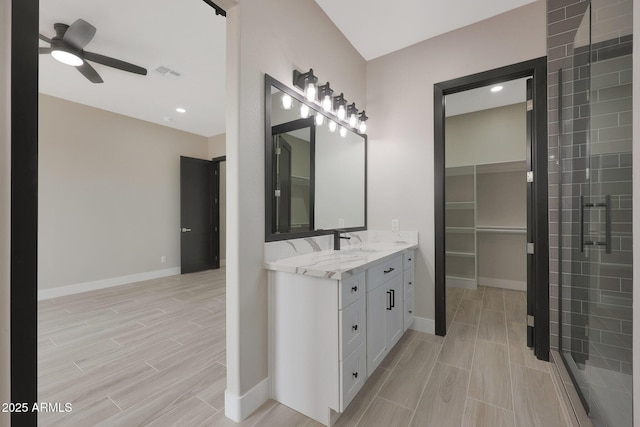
336,239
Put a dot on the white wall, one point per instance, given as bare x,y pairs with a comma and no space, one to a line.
488,136
109,194
274,37
5,203
401,139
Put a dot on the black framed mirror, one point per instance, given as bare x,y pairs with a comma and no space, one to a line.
315,171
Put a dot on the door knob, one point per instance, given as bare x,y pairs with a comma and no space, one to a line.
185,230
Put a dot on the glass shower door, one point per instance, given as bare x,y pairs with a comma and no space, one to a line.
595,211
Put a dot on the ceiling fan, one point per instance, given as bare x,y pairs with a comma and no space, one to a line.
67,46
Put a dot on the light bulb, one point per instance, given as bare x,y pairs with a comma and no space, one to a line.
343,131
287,101
67,57
363,127
332,126
353,120
181,110
496,88
326,103
319,119
304,111
342,113
310,91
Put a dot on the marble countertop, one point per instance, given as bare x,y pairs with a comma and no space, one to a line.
332,264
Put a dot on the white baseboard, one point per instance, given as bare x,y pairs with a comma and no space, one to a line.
237,408
422,324
455,282
105,283
516,285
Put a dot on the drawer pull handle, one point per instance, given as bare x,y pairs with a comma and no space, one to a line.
389,270
355,375
354,289
354,327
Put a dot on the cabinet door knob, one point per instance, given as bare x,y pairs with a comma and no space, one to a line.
389,270
355,375
354,327
354,289
410,311
410,283
409,259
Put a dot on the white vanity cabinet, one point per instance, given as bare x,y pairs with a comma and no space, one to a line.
317,345
385,312
333,317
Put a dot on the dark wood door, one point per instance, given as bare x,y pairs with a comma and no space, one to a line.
197,183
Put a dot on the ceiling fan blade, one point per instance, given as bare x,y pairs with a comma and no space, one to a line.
44,38
90,73
44,50
115,63
79,34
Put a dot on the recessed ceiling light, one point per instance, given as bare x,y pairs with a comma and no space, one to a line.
496,88
181,110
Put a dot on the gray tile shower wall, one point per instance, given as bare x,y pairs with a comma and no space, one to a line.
590,102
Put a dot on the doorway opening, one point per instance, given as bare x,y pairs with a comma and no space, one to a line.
491,215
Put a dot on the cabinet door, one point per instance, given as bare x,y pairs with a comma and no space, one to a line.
378,302
395,316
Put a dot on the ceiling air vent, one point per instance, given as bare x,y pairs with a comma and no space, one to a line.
168,72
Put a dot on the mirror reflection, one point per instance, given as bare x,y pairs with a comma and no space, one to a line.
316,169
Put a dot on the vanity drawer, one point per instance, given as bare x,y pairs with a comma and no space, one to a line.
353,327
408,260
351,289
352,375
409,285
409,309
383,272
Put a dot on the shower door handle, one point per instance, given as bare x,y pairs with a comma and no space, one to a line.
607,224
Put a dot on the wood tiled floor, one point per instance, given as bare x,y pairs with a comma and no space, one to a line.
153,353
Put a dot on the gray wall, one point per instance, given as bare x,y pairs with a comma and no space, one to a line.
109,193
400,107
5,202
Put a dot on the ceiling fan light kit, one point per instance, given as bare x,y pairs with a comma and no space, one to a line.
67,46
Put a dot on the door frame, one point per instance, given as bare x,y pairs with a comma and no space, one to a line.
216,210
24,208
537,69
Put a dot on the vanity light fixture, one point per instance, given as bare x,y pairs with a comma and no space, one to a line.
496,88
287,101
304,111
363,122
332,126
352,112
340,106
319,119
343,131
307,82
324,94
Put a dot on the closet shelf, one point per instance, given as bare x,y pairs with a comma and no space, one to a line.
501,229
460,254
459,229
460,205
